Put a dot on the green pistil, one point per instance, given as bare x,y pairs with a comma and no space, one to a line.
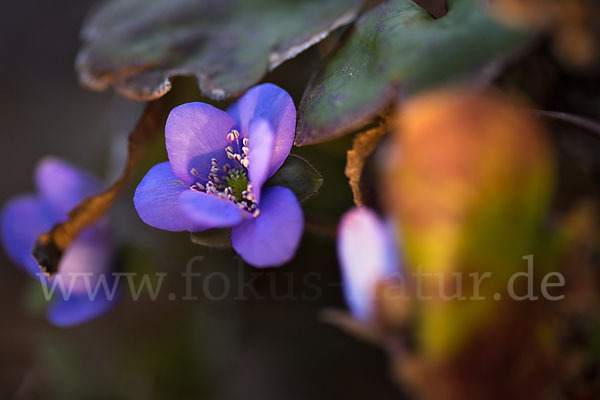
238,182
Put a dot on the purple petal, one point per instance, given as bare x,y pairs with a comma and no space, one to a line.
209,210
23,220
273,104
195,133
367,254
84,287
91,255
80,308
156,200
63,185
273,237
261,150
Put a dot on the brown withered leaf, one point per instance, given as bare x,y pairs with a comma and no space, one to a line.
470,187
363,146
50,246
137,46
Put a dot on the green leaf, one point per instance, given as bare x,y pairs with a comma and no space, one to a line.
217,237
396,49
299,176
228,45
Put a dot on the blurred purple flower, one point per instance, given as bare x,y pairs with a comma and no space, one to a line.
60,188
218,163
368,255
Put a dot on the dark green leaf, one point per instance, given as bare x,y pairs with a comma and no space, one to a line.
228,45
218,237
398,45
299,176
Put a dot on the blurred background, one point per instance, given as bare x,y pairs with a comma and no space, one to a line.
270,346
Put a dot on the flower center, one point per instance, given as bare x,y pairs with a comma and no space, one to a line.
230,181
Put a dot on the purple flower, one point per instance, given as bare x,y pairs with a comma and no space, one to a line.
218,164
368,255
61,187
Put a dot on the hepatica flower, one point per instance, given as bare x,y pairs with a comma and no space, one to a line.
218,165
368,255
60,187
